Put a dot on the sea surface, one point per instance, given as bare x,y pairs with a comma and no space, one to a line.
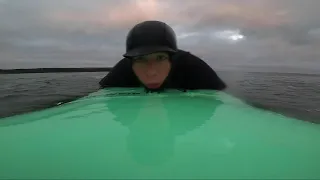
292,94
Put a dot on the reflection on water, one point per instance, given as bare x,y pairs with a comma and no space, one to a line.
155,122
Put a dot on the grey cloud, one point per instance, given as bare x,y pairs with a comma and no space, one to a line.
28,38
45,33
289,20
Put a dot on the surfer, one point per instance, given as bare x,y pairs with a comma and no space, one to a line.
153,60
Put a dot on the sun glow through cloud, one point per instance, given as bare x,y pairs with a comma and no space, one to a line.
230,35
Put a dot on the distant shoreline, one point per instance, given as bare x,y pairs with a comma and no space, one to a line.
53,70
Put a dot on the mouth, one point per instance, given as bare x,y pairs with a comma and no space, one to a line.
153,85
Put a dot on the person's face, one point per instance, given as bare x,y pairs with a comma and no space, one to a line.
152,69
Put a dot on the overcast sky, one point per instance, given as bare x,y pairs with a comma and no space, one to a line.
225,33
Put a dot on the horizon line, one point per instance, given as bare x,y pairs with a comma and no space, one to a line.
54,70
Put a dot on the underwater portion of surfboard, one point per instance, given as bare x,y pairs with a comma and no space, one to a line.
126,133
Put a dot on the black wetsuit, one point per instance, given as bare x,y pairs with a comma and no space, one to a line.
188,72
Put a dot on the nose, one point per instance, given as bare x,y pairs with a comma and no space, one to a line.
151,70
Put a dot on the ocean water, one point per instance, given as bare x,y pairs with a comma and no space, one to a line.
292,94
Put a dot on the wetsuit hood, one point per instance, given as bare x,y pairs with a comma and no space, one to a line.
149,37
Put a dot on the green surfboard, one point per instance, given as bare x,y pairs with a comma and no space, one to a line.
127,133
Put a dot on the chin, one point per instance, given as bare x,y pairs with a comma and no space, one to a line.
158,88
153,85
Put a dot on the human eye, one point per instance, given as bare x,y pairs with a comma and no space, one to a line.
161,57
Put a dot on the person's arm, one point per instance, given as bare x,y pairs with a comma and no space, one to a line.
121,75
201,76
